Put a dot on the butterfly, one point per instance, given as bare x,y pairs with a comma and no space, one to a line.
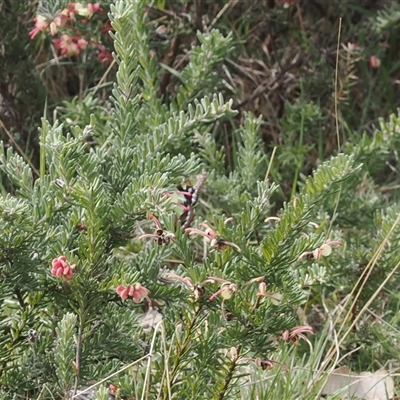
191,197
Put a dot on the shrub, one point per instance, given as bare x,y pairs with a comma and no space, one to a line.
110,238
145,258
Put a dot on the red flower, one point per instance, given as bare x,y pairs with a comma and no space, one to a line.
107,27
104,57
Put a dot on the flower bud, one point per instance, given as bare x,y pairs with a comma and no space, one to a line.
374,62
234,353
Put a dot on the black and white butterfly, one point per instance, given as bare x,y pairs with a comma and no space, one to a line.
191,197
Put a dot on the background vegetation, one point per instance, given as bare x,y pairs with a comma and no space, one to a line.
308,79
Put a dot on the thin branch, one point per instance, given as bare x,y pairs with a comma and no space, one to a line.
111,376
268,85
183,348
336,84
78,355
229,376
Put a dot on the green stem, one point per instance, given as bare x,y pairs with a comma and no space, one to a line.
299,163
228,377
182,349
42,166
79,348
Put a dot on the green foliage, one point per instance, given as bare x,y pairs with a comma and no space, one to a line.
64,352
388,18
78,112
199,75
216,299
380,145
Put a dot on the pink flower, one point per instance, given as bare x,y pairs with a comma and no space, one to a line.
61,269
93,8
87,11
114,389
44,24
41,24
296,333
215,241
82,43
58,22
324,250
136,291
59,262
122,291
374,62
70,45
160,237
262,292
70,11
226,291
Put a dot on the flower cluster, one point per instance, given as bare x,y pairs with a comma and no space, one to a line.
70,45
87,11
226,289
69,24
323,251
60,268
293,335
42,24
136,291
